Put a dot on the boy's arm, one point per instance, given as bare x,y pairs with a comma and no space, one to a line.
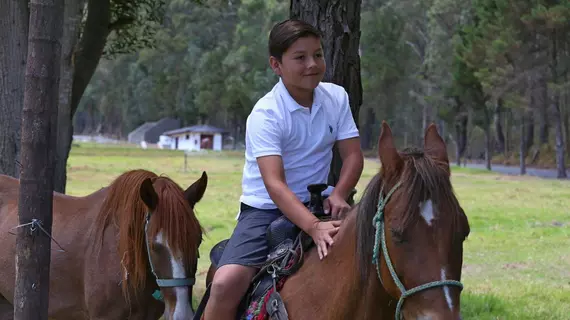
273,174
263,136
348,143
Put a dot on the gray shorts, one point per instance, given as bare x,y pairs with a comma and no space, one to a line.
248,244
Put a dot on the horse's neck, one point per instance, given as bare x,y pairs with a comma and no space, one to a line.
334,281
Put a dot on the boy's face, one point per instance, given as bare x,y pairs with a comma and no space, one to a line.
302,65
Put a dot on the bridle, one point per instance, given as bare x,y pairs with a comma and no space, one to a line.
163,283
380,237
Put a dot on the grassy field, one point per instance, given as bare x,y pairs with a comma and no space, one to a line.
517,257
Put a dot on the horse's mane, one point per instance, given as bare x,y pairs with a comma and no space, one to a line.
124,208
422,178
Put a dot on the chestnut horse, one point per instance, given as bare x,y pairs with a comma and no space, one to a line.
398,253
122,243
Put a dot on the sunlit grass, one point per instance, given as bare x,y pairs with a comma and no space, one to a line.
516,259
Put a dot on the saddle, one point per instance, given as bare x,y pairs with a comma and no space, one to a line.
287,244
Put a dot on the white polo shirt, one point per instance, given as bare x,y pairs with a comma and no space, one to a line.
304,139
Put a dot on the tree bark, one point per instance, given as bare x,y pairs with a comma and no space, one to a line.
555,106
39,134
366,130
488,146
560,153
339,22
542,106
72,18
567,125
14,16
523,149
565,109
529,130
508,133
500,137
426,113
79,64
488,153
91,46
461,136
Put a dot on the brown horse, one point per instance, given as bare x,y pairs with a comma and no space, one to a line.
106,270
398,253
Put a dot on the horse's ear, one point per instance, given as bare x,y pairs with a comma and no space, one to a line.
148,194
195,192
434,146
387,152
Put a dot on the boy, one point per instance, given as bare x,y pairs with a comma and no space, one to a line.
289,138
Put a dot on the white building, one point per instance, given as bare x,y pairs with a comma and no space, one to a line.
194,138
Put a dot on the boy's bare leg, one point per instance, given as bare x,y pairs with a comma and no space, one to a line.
228,288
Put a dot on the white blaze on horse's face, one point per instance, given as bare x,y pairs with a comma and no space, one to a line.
182,310
446,291
426,210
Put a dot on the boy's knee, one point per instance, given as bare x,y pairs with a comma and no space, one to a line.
231,282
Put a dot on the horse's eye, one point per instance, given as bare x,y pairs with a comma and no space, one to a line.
398,237
158,248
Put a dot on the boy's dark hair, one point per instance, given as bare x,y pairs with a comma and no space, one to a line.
285,33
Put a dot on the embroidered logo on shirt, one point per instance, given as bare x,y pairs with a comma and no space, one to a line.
330,128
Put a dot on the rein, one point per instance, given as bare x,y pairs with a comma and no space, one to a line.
380,238
163,283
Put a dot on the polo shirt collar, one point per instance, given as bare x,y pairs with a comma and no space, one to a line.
293,105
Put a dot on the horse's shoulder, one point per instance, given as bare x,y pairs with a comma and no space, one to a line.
8,185
6,181
79,204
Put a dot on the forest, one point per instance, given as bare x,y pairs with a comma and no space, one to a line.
492,74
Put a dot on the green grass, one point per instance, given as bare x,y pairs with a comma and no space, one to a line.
516,259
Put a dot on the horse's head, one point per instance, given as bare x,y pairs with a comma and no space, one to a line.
417,232
173,236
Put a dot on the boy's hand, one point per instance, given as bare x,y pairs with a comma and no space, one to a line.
336,206
323,233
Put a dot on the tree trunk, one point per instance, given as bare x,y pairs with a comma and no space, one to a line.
567,125
523,149
498,118
84,58
555,105
460,136
565,109
560,153
91,46
488,147
72,19
426,113
442,130
508,133
339,22
488,139
14,16
529,130
457,144
542,106
366,130
39,134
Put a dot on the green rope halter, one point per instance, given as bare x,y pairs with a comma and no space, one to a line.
378,223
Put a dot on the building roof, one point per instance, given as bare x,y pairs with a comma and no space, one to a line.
197,129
